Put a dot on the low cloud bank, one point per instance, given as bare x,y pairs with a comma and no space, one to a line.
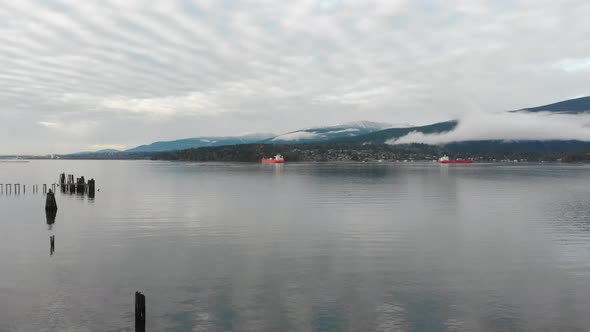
518,126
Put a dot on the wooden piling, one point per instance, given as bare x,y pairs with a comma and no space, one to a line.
139,312
71,184
62,182
91,187
81,185
50,203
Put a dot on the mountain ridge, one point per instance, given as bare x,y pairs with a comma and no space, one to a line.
571,106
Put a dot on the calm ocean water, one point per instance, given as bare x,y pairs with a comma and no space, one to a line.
299,247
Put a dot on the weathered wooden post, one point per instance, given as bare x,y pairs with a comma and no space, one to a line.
44,188
62,182
71,183
24,188
91,186
81,185
50,203
139,312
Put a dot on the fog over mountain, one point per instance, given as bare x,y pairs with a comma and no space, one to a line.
509,127
85,75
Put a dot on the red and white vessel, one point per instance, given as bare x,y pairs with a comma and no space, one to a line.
278,159
446,160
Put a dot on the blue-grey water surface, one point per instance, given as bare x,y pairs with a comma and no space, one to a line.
299,247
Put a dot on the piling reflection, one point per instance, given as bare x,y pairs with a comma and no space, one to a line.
50,216
51,244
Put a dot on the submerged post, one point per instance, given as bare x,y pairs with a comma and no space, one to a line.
139,312
50,203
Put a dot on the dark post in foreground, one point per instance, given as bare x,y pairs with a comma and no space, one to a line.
139,312
50,203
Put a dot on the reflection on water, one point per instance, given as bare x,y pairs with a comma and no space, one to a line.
300,247
50,217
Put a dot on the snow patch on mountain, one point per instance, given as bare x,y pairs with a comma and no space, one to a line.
297,136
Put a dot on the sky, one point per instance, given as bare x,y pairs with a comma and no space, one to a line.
87,75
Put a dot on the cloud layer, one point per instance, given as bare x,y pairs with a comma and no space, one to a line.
509,127
131,72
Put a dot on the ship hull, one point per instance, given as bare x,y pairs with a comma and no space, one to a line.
272,161
455,161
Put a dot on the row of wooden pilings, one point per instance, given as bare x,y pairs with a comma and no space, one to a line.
9,188
78,186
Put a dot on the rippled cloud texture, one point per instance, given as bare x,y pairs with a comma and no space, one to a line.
81,74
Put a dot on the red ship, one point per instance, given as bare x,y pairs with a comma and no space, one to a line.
278,159
446,160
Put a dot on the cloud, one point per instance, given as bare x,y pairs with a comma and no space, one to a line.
508,127
48,124
264,65
192,103
73,128
575,65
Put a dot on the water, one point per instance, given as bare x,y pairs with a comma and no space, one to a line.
299,247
